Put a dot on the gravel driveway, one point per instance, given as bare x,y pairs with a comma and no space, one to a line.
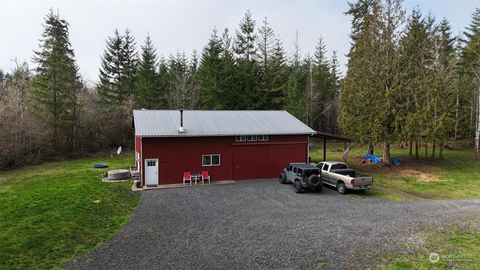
265,225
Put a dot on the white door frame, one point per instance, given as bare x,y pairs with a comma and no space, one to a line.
156,162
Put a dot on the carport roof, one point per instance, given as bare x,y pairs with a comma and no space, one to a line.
166,123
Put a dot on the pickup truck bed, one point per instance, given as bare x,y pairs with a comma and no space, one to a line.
338,175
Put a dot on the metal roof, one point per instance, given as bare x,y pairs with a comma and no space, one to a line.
166,123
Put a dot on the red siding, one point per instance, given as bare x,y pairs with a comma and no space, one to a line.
238,160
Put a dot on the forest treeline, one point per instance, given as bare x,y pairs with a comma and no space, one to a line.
49,111
409,79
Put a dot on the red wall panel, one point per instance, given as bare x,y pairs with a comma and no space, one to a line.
254,160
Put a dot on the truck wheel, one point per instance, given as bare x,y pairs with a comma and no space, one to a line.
297,186
282,179
341,188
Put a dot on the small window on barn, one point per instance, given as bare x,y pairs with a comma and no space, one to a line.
262,138
240,138
252,138
215,160
151,163
211,160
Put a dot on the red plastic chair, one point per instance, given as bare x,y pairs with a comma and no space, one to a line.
187,177
205,176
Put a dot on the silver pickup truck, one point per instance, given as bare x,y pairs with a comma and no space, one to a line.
337,174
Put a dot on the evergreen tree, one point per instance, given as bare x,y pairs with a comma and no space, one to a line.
469,70
296,85
271,59
415,54
193,80
130,64
228,75
390,18
444,86
147,91
56,84
109,88
278,75
266,41
163,84
245,39
357,97
210,71
118,68
323,89
247,70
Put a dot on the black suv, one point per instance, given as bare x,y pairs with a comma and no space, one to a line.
302,176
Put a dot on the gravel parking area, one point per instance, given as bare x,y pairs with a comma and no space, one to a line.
262,224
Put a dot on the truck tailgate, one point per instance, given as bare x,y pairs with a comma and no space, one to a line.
363,181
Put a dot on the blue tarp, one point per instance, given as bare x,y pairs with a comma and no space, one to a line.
99,165
374,159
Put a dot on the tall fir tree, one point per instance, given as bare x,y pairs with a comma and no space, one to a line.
56,83
469,69
210,70
118,69
296,84
109,88
247,69
323,88
163,84
356,98
271,60
147,91
415,51
130,64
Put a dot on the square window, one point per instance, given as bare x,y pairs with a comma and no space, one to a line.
215,159
206,160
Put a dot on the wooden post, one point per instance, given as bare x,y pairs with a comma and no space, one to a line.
324,149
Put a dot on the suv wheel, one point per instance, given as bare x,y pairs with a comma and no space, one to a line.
297,186
341,188
282,179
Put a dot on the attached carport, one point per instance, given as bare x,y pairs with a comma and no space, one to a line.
329,136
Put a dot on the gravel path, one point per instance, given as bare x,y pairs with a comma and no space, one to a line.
265,225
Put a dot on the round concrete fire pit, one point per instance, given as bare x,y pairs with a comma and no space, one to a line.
119,175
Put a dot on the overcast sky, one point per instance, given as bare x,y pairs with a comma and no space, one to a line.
186,25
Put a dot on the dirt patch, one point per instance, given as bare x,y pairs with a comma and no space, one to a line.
420,176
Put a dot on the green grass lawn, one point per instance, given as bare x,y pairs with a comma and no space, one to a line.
456,176
458,248
52,212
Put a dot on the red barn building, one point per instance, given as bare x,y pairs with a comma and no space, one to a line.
230,145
